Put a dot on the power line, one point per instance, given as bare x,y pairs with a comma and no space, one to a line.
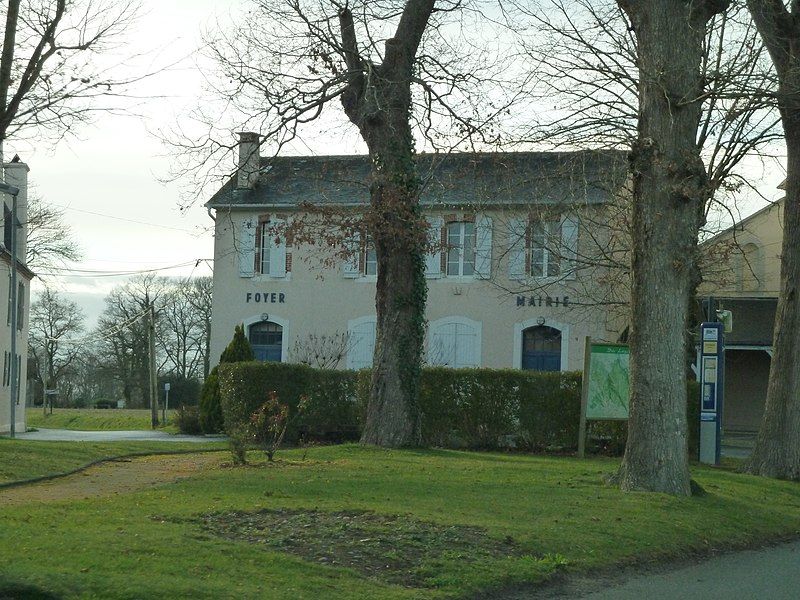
107,216
96,273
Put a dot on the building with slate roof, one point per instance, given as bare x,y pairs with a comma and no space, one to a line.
742,275
510,233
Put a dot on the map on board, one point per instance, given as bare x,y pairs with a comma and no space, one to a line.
609,378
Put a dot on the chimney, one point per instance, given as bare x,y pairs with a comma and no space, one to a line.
17,175
249,159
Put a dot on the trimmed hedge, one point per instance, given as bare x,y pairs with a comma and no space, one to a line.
461,408
331,413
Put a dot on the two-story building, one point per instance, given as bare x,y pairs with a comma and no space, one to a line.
742,274
512,270
16,175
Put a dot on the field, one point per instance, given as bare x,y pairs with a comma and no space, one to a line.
353,522
94,419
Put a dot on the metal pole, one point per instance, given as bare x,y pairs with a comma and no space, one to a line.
166,406
153,378
14,300
45,378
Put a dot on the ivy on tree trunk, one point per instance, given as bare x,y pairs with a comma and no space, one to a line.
378,101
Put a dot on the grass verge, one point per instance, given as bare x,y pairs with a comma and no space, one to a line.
95,419
243,532
24,459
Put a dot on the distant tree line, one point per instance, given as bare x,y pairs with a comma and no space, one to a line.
111,362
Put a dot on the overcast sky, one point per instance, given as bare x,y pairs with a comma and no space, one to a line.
109,179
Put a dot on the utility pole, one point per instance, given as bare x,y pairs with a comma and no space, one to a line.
45,378
151,330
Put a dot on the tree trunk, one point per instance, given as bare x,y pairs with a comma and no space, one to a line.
378,101
669,187
395,225
777,449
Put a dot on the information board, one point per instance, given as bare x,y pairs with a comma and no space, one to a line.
608,381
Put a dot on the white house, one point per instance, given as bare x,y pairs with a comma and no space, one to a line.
16,174
505,283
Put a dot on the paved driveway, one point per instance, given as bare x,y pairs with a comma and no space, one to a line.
67,435
766,574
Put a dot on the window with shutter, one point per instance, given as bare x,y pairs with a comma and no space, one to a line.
454,342
433,258
245,240
361,342
483,247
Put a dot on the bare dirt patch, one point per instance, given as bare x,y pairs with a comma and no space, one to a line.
393,548
121,476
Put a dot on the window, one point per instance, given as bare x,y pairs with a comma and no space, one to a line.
454,342
266,339
370,258
7,227
270,256
542,248
460,248
20,306
360,259
263,251
545,246
361,343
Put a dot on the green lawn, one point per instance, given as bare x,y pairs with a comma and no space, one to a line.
94,419
203,537
23,459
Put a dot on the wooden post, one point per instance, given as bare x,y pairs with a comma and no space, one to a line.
587,356
151,330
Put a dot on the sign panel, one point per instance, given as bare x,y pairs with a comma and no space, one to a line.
712,375
608,381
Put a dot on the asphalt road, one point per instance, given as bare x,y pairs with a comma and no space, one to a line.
766,574
67,435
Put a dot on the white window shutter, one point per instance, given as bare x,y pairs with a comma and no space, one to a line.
352,265
361,345
483,247
466,340
517,233
246,243
433,260
569,247
442,346
277,252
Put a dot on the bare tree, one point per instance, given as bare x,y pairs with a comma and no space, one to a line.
670,186
184,318
198,293
586,54
395,72
54,321
777,449
123,336
50,242
49,73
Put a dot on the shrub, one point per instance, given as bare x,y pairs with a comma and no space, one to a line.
269,421
460,408
187,420
238,350
330,413
210,406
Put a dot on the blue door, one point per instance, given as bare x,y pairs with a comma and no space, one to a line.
266,339
541,349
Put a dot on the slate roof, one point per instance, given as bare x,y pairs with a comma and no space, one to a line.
456,179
